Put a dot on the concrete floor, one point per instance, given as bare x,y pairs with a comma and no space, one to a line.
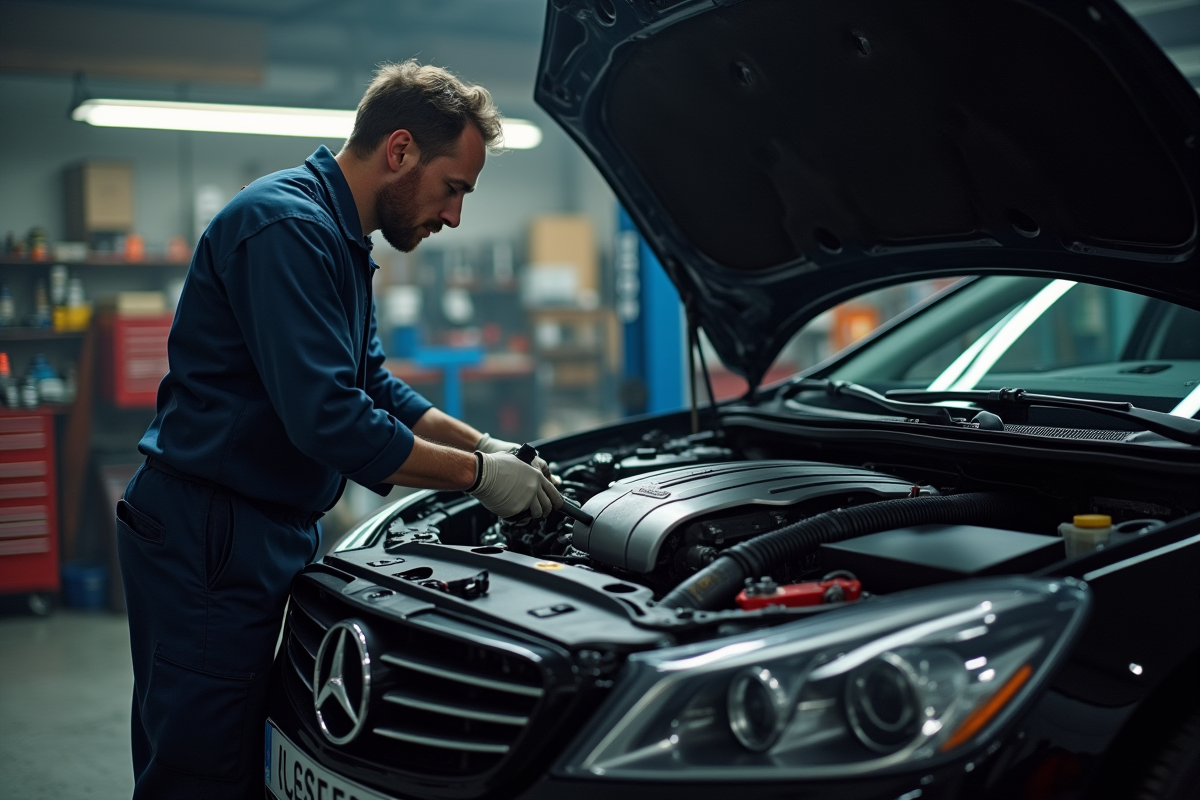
65,685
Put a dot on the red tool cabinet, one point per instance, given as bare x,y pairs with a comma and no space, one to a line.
28,502
133,357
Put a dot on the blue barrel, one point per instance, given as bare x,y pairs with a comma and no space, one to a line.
85,585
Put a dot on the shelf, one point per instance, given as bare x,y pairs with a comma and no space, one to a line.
568,351
55,409
95,262
494,366
36,335
573,314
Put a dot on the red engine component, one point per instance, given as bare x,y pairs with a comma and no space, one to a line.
838,587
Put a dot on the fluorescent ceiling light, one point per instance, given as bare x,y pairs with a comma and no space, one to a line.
519,134
215,117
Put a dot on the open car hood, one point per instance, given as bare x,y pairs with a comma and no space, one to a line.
781,156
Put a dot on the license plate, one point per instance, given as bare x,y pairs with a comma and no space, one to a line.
291,775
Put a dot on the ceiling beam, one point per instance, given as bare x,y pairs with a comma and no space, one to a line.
49,37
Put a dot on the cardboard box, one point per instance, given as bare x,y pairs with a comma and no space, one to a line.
558,240
135,304
98,198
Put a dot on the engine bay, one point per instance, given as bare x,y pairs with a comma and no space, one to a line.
691,532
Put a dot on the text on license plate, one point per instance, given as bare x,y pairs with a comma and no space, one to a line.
291,775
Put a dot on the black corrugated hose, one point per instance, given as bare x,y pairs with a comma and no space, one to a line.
716,585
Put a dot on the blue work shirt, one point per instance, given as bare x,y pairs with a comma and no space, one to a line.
276,386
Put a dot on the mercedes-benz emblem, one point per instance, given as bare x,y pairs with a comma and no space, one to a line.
342,682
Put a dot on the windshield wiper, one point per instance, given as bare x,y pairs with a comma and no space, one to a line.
914,404
1181,429
936,415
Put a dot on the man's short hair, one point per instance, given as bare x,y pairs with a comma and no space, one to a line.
428,102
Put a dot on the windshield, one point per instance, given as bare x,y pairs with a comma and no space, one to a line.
1046,336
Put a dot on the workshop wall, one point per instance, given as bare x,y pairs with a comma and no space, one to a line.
38,139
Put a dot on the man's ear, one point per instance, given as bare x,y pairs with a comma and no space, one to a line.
401,151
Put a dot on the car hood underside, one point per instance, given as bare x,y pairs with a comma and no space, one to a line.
780,157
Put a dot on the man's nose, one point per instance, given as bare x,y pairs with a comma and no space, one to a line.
452,214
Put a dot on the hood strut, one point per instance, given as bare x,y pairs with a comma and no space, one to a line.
695,351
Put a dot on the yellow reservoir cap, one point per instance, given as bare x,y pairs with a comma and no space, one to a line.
1092,521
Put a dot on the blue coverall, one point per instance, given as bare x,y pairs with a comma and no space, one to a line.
276,395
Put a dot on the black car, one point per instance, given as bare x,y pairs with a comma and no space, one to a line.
892,575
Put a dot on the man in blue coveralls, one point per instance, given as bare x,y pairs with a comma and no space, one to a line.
276,396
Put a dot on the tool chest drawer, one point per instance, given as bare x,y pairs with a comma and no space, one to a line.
25,432
21,523
28,502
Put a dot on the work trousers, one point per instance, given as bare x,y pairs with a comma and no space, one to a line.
206,575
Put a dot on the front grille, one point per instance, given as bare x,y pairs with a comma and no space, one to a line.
1068,433
448,700
455,710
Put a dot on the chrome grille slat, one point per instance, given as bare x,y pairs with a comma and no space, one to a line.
302,668
309,605
439,671
400,698
445,744
306,631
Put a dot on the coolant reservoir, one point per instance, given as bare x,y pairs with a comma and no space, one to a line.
1086,533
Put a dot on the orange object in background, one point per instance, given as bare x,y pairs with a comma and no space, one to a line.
851,322
178,250
135,247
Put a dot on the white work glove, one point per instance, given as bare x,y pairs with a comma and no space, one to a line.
487,444
507,486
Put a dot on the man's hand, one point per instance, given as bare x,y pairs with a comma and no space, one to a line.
508,486
487,444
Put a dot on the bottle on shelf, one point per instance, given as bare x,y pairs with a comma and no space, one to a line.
135,247
71,383
14,247
77,313
50,387
41,307
39,244
8,385
58,285
8,309
40,368
29,392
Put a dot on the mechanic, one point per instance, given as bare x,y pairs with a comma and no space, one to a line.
276,395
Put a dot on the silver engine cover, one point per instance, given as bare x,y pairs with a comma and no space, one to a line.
634,516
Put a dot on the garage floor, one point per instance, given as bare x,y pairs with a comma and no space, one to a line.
65,684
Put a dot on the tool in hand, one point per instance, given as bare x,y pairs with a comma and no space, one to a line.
528,454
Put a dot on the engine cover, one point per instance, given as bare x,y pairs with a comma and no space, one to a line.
634,516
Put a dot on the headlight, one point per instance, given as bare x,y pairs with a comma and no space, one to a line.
758,708
910,678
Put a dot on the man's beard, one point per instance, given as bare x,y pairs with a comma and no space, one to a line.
397,212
